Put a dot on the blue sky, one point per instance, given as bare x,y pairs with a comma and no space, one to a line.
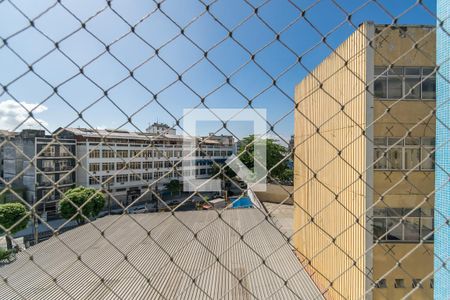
176,55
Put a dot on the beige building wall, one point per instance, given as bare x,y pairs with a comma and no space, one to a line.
398,118
416,260
331,194
334,182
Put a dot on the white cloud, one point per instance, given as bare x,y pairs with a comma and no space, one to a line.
12,114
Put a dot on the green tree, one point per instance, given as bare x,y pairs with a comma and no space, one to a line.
95,201
274,154
174,186
10,214
287,175
226,174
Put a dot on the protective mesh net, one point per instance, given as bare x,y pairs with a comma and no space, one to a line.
348,206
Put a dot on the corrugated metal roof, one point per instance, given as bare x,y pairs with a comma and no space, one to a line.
163,256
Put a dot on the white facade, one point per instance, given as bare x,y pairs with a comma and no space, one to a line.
130,165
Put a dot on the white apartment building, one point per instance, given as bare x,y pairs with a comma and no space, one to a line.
131,164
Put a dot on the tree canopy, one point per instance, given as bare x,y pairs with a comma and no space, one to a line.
275,153
174,186
10,214
78,196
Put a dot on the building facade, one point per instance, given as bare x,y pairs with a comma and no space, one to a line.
364,165
130,166
43,166
134,165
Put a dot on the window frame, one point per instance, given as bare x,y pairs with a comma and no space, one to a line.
385,215
382,73
388,146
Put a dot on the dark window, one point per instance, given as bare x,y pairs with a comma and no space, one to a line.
416,283
380,87
411,228
379,228
381,284
412,71
412,88
395,88
394,229
399,283
429,88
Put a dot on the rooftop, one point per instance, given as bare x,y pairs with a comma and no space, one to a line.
163,257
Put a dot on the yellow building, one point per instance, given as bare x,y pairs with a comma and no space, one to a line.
364,168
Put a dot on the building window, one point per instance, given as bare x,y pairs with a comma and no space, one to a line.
108,154
49,151
381,284
412,83
399,283
64,165
122,153
147,176
108,167
94,167
93,180
428,83
404,154
48,165
134,177
403,224
94,154
147,165
107,180
46,180
65,150
121,178
416,282
120,165
134,165
147,153
135,153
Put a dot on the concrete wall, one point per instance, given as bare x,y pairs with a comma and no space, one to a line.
330,171
277,194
